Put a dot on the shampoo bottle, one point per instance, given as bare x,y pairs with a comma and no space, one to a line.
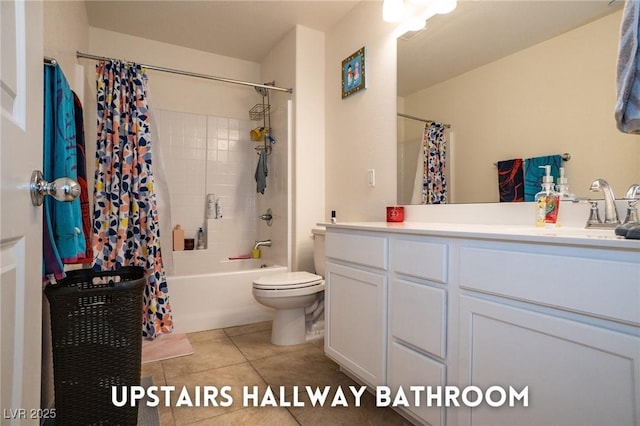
218,209
547,202
211,206
178,238
200,239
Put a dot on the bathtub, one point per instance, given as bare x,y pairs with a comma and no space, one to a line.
205,294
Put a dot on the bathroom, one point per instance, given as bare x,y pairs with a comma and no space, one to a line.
337,139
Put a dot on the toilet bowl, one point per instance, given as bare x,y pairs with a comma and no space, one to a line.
297,298
289,294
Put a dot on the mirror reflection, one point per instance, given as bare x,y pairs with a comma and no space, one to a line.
514,80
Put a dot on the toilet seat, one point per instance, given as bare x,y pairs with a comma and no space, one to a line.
288,281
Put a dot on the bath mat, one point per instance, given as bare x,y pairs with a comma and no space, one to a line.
166,346
147,416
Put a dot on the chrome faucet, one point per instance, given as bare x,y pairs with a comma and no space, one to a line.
633,196
610,211
266,243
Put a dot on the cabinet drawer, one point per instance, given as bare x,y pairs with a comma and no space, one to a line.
604,288
420,259
409,368
365,250
417,316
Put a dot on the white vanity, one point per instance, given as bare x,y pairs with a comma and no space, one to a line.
436,304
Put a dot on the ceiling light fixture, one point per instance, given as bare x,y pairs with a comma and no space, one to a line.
415,14
392,10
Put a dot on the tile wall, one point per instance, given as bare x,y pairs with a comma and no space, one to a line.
207,154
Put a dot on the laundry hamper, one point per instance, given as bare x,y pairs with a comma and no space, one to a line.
96,333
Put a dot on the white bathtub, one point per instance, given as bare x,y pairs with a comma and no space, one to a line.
206,294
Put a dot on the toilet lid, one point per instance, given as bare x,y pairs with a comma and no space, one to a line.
288,279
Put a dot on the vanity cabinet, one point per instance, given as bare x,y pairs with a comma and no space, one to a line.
558,316
576,373
562,322
355,304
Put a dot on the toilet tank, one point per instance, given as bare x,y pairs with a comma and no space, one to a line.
318,250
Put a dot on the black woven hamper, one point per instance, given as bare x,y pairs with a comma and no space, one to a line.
96,333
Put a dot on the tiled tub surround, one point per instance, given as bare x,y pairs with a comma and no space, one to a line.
454,304
206,154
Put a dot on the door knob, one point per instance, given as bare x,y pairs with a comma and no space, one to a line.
62,189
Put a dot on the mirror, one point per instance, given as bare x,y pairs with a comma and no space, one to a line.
516,79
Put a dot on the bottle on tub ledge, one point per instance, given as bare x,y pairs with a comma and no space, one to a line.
200,239
178,238
218,209
211,206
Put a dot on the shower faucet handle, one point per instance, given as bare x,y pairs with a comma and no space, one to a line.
267,217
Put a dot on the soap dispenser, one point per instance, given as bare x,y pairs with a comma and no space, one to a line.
547,202
563,187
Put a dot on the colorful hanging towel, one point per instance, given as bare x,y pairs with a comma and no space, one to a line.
60,160
85,207
533,173
52,269
511,180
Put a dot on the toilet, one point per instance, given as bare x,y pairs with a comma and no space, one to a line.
297,298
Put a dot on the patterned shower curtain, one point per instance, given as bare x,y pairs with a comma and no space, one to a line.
434,148
126,230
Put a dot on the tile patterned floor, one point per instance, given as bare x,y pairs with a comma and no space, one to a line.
244,356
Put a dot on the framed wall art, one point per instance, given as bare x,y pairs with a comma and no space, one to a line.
354,76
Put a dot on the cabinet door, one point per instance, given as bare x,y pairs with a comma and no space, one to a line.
577,374
355,307
408,368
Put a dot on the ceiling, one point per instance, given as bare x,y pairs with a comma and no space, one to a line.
475,33
241,29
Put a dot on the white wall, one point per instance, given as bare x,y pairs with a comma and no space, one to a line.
361,129
309,149
278,66
555,97
298,189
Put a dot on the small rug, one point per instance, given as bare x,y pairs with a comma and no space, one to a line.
166,346
147,416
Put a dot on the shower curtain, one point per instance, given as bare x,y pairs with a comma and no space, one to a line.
125,225
430,185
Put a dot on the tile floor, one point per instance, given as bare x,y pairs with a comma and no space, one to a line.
244,356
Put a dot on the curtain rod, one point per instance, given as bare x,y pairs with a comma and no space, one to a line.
50,61
190,74
448,126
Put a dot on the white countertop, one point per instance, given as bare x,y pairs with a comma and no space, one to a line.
597,238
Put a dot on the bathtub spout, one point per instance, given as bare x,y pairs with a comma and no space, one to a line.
266,243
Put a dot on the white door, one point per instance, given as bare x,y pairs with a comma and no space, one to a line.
20,222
